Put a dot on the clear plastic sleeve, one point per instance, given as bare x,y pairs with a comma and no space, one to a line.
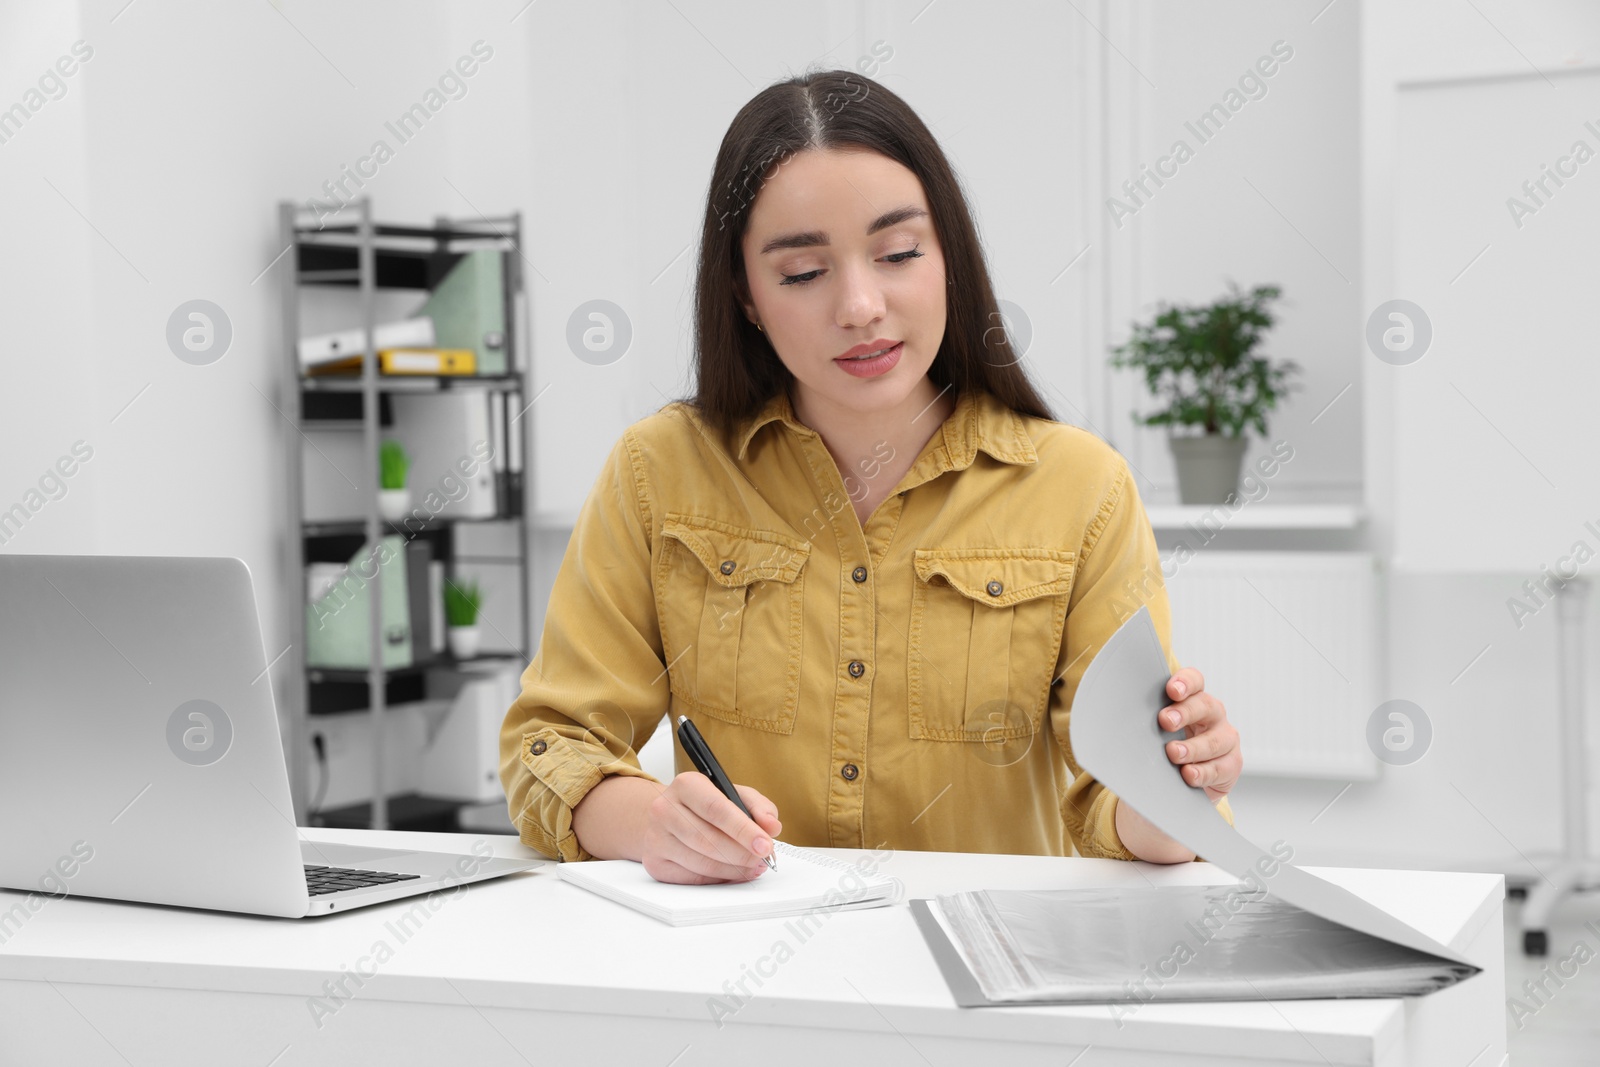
1216,942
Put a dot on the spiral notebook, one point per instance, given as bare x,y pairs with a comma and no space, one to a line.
804,881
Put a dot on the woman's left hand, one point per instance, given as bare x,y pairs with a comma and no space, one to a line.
1209,753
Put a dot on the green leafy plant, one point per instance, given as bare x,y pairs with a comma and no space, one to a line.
461,603
393,463
1199,359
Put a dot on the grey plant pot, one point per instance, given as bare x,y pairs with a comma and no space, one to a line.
1208,467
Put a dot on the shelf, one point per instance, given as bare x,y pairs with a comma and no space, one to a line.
1247,516
563,519
413,383
346,264
406,811
393,268
404,257
492,817
359,674
347,233
358,527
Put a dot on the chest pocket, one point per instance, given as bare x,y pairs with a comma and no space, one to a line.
986,626
730,604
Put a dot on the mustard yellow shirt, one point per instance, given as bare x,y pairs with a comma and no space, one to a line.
904,684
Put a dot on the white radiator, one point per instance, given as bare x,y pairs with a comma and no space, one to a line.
1289,641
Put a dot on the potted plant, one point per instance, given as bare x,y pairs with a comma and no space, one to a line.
394,499
1200,359
461,605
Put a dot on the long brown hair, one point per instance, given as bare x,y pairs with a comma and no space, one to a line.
736,368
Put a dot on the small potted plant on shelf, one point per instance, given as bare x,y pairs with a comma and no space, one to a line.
1200,359
461,605
394,499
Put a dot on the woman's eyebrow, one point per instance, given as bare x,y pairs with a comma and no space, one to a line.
813,238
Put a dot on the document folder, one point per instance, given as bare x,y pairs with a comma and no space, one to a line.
338,624
419,554
1129,946
405,361
1288,934
328,348
468,309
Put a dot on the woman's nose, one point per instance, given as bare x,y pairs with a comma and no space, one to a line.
860,296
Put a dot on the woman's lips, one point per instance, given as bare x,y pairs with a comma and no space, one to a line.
871,368
867,348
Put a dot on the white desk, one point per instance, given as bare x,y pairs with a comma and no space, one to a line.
527,969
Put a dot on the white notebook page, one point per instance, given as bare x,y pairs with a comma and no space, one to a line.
803,880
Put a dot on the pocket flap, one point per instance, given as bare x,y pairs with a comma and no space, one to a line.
1021,573
735,556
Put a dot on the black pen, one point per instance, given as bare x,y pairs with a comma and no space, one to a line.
704,762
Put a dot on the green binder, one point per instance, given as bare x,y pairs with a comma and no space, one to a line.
338,626
468,309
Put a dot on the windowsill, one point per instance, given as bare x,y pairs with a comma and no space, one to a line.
1243,515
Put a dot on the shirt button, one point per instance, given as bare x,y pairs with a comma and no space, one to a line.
857,668
994,588
537,747
859,574
848,772
727,566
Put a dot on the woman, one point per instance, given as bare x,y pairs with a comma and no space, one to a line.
863,558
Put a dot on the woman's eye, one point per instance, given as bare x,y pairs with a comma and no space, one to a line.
810,275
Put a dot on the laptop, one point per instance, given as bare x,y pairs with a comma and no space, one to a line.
140,754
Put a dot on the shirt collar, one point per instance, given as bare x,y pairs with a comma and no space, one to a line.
777,408
979,422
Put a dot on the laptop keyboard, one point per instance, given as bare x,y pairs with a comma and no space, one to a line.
321,880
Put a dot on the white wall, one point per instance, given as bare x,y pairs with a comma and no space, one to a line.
1453,116
1270,198
45,294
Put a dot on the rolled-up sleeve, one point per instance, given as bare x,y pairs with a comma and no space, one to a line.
1118,569
596,689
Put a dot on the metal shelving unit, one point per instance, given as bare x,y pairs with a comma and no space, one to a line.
366,256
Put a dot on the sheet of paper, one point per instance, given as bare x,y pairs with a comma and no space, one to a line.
1116,738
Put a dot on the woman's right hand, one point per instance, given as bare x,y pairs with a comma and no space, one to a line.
694,835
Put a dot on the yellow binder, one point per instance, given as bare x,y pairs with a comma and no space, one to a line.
409,361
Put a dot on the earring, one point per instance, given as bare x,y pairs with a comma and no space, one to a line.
760,327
